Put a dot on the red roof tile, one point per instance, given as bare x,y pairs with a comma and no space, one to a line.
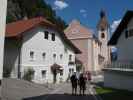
16,28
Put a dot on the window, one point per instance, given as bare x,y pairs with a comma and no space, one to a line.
102,29
46,35
43,55
126,33
61,72
69,70
61,56
102,35
129,33
70,57
54,56
43,73
72,70
53,37
32,55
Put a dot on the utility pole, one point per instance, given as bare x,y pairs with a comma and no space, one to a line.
3,8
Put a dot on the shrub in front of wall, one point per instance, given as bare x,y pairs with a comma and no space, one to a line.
29,74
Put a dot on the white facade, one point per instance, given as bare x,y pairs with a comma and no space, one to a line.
118,74
43,55
96,56
3,6
124,47
93,56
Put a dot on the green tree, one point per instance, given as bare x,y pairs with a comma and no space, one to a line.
18,9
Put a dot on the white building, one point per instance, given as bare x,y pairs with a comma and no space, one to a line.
3,7
95,51
38,44
119,74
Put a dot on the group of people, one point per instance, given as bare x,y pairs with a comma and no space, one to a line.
78,81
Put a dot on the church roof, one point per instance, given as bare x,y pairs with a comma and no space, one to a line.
75,31
123,24
16,29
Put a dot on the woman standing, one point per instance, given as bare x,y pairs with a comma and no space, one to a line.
82,84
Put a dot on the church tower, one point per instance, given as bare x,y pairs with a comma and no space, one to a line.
103,36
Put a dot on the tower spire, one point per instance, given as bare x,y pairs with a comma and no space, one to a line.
103,23
103,35
102,13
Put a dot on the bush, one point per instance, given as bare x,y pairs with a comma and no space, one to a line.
29,74
6,71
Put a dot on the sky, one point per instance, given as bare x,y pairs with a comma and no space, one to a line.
87,11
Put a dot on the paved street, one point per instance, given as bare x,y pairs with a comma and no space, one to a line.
63,92
14,89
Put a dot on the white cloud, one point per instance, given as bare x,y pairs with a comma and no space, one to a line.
114,25
113,49
84,15
82,11
59,4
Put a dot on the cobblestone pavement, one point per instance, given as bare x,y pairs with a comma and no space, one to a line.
63,92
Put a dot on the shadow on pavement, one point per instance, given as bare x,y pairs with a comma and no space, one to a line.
61,97
107,93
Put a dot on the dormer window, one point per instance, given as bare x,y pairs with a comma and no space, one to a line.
102,35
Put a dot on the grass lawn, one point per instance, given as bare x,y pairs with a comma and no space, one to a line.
114,94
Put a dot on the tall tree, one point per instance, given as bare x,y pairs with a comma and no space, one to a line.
18,9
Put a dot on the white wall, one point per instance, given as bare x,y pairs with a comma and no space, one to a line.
118,80
104,47
3,6
124,45
90,55
34,41
97,67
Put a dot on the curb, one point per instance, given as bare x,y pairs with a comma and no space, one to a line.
94,94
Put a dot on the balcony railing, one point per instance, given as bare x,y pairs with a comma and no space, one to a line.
119,66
